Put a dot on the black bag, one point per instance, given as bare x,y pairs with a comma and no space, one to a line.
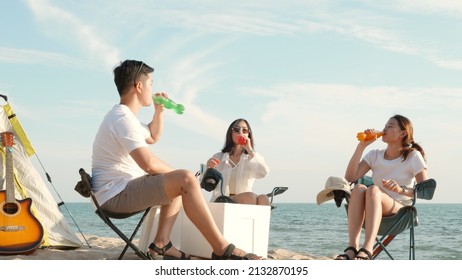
83,187
211,179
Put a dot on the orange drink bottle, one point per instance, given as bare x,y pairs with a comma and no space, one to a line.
363,136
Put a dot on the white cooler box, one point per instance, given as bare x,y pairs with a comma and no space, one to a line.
246,226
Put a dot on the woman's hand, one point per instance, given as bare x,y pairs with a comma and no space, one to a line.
366,143
392,185
248,144
212,163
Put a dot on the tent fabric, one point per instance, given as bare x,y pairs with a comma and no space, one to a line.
29,183
18,130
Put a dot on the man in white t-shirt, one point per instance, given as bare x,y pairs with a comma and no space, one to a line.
127,177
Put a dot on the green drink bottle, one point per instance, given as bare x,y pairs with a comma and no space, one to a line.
169,104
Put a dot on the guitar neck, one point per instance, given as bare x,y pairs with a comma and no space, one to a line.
9,176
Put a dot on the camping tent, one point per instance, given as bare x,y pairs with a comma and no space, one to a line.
29,183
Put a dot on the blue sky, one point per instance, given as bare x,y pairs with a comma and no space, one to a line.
308,75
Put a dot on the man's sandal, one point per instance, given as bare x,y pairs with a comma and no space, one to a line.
346,256
161,252
368,255
228,255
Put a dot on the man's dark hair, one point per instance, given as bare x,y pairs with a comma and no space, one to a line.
128,73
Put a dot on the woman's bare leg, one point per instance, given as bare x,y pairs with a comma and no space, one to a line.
378,204
356,205
356,209
373,216
263,199
251,198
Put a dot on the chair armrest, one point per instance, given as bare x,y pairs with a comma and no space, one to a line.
276,191
425,189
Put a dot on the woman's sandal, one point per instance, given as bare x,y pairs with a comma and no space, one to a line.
228,255
346,256
368,255
163,250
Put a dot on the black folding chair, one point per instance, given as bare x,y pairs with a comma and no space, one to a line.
84,188
406,218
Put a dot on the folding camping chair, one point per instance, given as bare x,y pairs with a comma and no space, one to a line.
405,218
84,188
273,193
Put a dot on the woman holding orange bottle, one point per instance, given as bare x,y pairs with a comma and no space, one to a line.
240,165
394,171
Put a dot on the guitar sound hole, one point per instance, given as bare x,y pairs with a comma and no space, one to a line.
10,208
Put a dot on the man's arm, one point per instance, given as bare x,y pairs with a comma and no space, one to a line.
148,162
156,127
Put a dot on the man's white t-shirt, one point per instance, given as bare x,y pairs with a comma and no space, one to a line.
112,166
403,172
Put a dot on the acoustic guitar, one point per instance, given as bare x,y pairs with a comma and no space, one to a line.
20,231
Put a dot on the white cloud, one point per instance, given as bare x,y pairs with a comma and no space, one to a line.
30,56
390,33
444,7
262,19
58,22
375,96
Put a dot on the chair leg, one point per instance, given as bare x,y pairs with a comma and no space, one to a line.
130,241
412,240
381,245
107,219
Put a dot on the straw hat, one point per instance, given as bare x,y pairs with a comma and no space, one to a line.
332,184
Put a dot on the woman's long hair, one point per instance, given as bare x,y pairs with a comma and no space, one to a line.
408,142
229,144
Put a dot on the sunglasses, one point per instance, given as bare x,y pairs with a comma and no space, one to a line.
238,129
137,73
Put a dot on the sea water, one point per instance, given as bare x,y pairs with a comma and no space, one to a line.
319,230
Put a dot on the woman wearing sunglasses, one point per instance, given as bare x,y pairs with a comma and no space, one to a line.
240,165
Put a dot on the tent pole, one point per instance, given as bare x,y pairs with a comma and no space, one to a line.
61,203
